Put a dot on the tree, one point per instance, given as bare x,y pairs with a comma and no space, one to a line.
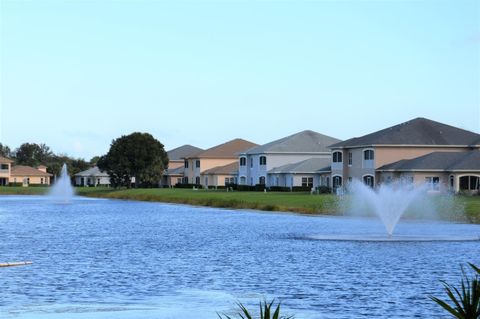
137,155
5,151
32,154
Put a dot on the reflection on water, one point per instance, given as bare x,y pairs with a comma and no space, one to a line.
121,259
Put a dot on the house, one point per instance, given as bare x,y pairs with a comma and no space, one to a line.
255,163
92,177
174,174
366,158
221,175
26,175
220,155
306,173
5,170
452,171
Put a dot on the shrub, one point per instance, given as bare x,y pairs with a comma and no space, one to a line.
324,190
466,299
266,312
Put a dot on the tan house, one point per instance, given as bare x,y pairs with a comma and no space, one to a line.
220,175
174,174
5,170
366,158
26,175
217,156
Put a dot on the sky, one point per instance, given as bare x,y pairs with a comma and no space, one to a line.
77,74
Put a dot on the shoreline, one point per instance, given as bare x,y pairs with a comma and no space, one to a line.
297,203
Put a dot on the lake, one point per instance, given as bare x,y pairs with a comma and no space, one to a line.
96,258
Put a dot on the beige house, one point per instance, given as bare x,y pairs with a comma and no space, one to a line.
174,174
5,170
220,175
26,175
366,158
217,156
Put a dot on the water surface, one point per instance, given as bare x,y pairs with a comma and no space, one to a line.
122,259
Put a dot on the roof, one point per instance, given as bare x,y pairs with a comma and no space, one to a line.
4,160
444,161
229,149
20,170
93,171
311,166
417,132
229,169
174,171
183,151
301,142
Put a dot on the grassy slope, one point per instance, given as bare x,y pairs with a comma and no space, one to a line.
293,202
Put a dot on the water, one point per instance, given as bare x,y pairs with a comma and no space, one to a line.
132,260
62,190
389,201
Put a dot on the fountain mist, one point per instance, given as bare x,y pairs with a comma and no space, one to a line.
389,202
62,190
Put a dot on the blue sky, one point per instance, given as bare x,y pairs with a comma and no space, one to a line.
77,74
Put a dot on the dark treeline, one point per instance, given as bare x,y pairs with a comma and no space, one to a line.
32,154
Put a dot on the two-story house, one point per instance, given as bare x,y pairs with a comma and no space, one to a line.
365,158
255,163
174,174
217,156
5,170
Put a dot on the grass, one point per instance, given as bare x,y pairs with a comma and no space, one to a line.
303,203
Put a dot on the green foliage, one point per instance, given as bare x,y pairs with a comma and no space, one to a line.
5,151
466,298
136,155
32,154
266,312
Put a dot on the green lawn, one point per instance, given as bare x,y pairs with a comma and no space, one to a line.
270,201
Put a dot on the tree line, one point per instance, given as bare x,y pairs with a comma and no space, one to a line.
136,159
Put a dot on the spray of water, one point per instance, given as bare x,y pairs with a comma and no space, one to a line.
62,190
389,201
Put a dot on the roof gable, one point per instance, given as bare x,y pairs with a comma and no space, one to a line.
21,170
183,151
229,149
419,131
301,142
4,160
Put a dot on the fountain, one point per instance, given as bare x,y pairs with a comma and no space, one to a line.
389,202
62,190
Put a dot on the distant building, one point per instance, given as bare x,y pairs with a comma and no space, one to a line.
92,177
416,151
221,175
307,173
217,156
256,163
26,175
5,170
174,174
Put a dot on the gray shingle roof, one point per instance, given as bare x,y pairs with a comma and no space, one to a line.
229,149
419,131
444,161
301,142
175,171
183,151
311,165
229,169
93,171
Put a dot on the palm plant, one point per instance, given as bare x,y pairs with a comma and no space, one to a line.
266,312
466,299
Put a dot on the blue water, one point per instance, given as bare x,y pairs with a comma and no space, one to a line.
124,259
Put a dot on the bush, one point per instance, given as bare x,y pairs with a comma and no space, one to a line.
301,189
280,189
15,184
324,190
466,299
179,185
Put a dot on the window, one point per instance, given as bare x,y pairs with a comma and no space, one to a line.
229,180
337,157
4,166
350,179
307,182
263,160
368,180
197,163
179,180
243,161
251,162
368,155
452,180
433,183
186,164
243,180
350,158
469,183
337,181
41,180
197,180
261,180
